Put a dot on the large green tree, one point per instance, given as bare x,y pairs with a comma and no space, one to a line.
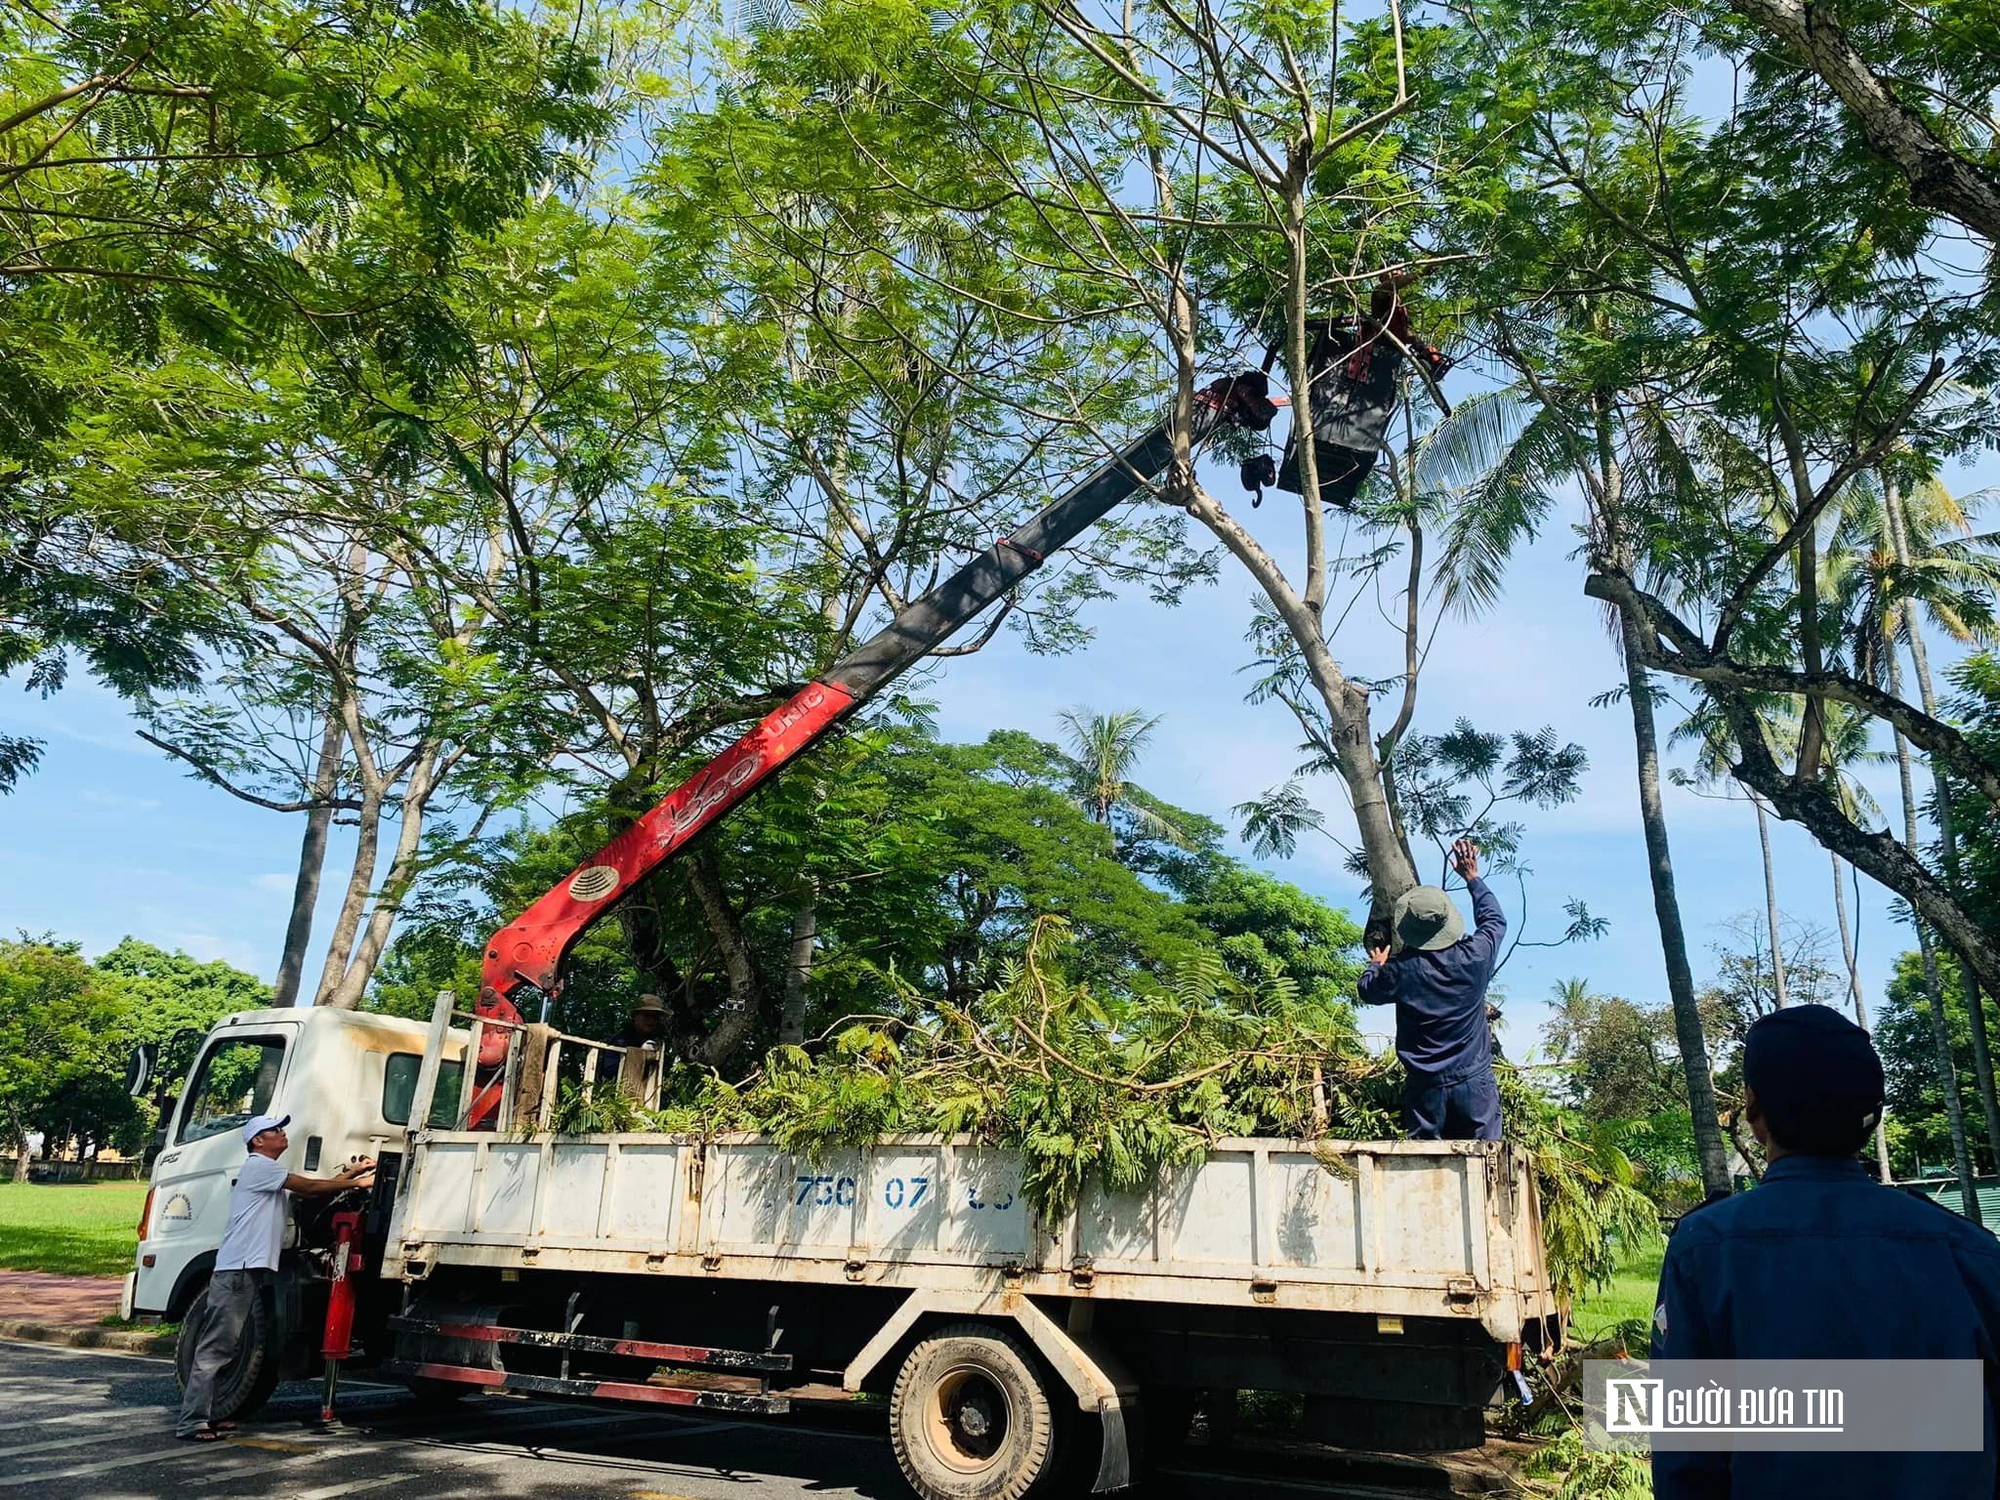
59,1027
194,188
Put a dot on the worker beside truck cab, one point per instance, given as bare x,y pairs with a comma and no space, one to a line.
260,1201
1820,1261
1436,975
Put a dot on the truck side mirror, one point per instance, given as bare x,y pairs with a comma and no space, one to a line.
139,1068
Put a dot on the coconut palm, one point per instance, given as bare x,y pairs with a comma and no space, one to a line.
1715,753
1909,559
1504,456
1849,743
1104,751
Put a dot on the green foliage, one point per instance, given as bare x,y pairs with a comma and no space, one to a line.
595,1111
60,1063
1566,1470
197,190
1919,1129
1591,1201
171,1001
1120,1087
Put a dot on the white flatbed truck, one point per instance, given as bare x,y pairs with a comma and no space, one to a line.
1386,1279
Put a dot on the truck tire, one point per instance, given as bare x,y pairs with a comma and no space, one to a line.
246,1382
970,1418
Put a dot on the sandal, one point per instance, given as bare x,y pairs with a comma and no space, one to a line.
200,1435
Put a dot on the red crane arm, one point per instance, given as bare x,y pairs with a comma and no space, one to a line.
530,949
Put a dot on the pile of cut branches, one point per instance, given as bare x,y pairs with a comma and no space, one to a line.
1123,1087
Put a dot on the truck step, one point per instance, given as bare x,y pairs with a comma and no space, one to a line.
599,1390
587,1343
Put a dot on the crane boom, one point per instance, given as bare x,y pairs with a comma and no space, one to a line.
530,950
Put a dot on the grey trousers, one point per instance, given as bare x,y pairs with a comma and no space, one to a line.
230,1294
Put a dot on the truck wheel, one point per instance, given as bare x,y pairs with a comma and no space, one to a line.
246,1382
969,1417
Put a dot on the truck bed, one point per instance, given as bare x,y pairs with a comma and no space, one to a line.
1445,1229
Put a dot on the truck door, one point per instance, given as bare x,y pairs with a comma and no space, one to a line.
237,1076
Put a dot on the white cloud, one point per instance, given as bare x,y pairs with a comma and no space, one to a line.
208,947
121,801
277,880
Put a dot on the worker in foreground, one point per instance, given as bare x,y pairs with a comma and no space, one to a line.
1436,975
259,1204
1820,1261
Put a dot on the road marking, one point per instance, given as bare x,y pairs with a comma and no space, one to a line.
55,1398
121,1414
167,1455
41,1348
353,1487
76,1442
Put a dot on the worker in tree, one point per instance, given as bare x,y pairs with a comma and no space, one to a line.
1820,1261
1355,363
1436,975
647,1023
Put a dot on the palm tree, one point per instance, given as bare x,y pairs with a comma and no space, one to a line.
1706,728
1508,453
1910,558
1104,751
1849,743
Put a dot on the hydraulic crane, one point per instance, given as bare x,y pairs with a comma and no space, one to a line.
528,953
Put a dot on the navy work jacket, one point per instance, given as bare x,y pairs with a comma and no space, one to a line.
1440,997
1820,1261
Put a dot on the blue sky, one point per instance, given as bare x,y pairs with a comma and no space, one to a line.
110,839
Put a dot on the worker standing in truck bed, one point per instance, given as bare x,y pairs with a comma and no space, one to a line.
1436,975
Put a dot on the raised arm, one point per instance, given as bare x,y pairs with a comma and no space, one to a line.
1489,922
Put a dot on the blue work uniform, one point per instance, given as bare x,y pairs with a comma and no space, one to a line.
1820,1261
1441,1032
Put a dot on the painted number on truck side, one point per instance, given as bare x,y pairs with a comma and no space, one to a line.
899,1192
825,1192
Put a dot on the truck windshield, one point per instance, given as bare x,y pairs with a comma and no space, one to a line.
399,1089
235,1081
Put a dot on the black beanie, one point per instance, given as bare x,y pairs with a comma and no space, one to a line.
1811,1067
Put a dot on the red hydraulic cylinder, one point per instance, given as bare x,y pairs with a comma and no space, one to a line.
337,1342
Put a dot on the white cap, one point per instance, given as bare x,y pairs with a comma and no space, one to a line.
256,1125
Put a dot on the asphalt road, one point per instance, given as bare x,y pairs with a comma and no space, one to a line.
80,1423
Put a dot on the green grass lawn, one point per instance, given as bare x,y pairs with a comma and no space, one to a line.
78,1228
1628,1295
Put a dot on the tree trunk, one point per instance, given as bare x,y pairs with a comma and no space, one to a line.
1771,905
1709,1144
746,987
798,969
395,886
360,881
1860,1005
1940,1033
21,1156
312,862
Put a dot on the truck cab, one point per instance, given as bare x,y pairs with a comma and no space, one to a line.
345,1077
